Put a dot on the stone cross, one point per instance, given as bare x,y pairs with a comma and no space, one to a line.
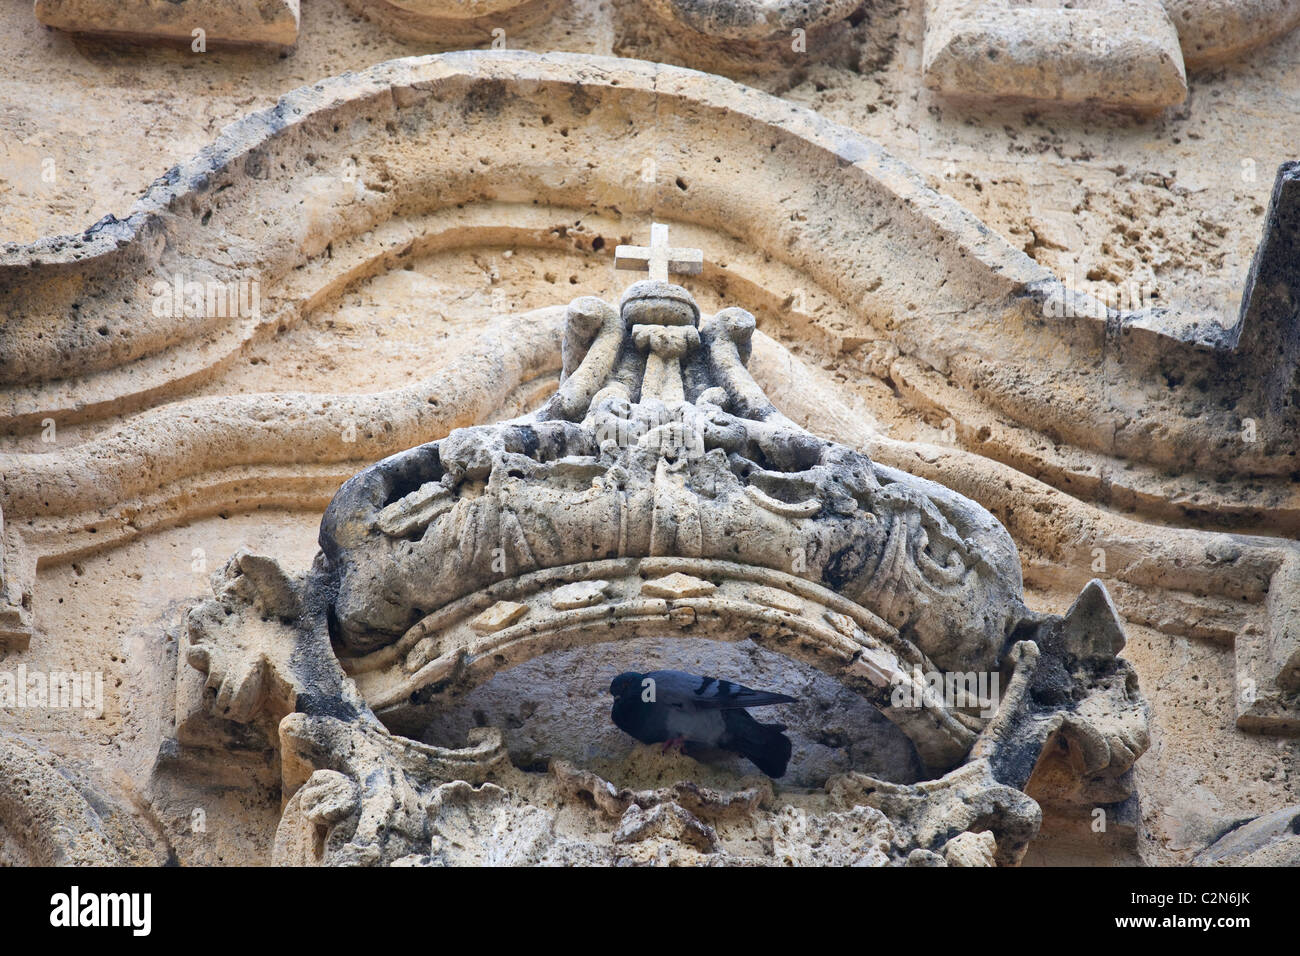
659,258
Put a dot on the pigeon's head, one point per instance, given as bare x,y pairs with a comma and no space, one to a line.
624,682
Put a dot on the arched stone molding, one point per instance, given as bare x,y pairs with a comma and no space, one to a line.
448,653
278,190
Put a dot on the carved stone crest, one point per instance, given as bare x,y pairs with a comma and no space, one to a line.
657,491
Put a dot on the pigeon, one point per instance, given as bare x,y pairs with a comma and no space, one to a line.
677,708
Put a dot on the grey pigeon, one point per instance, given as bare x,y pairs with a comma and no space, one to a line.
674,707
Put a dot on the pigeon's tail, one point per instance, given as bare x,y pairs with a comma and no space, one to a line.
763,744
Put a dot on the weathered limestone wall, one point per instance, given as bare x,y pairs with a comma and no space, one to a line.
413,232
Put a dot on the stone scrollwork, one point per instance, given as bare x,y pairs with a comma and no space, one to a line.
657,491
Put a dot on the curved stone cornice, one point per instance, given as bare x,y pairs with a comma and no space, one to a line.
270,197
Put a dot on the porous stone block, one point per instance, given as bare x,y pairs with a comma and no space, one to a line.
1122,53
676,586
499,616
242,22
1216,31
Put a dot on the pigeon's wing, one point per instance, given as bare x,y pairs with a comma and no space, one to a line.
680,689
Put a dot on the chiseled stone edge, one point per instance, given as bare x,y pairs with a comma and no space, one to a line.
1122,53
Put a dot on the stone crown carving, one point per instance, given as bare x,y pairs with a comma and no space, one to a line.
659,443
657,491
659,488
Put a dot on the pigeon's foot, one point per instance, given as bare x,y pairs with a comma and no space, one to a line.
677,743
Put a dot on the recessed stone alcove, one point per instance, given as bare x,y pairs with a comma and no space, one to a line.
557,706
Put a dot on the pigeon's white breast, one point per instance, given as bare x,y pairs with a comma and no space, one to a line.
702,726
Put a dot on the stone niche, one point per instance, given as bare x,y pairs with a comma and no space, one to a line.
458,534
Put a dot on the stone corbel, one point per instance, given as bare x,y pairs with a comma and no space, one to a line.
256,671
358,796
928,816
1071,692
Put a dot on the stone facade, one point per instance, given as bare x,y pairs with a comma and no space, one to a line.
344,463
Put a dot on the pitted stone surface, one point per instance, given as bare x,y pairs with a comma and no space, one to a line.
1115,52
177,445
